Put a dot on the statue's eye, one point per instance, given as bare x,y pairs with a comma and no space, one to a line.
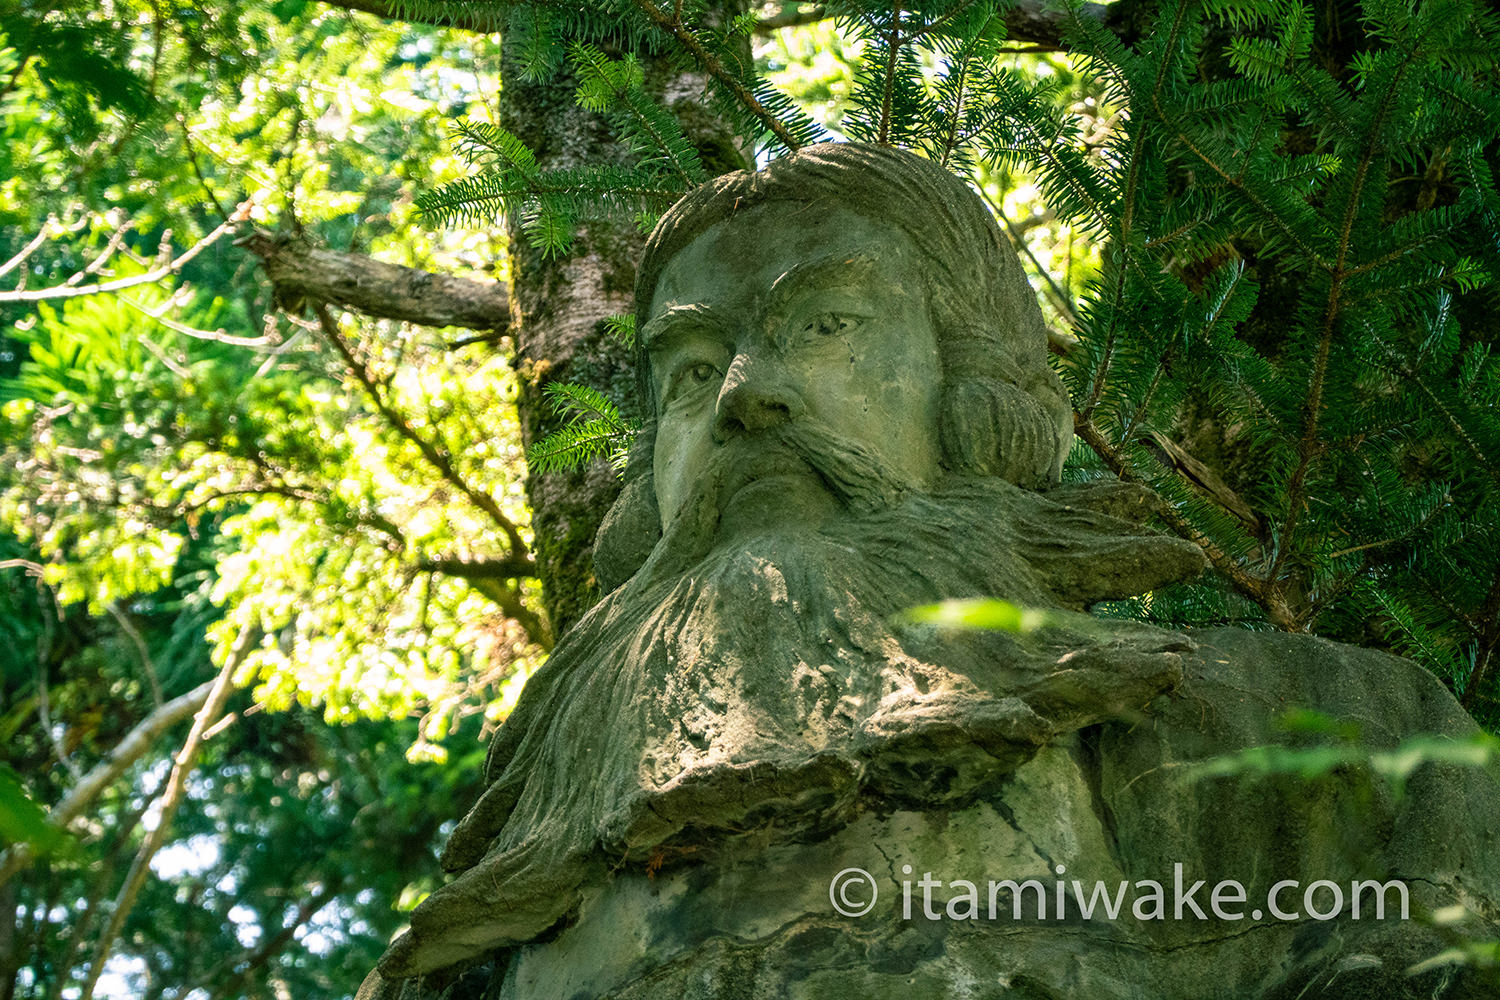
830,325
691,377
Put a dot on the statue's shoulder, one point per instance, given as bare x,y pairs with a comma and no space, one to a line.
1250,680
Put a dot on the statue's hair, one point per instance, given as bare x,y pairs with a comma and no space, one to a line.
1003,411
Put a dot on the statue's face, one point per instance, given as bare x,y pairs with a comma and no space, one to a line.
786,314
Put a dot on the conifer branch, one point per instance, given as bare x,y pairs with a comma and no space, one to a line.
614,86
939,21
1262,592
1346,581
1271,215
1452,421
1309,448
715,68
1101,371
950,141
893,46
1132,175
1138,417
1488,641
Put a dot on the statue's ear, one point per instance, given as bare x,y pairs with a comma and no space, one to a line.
632,527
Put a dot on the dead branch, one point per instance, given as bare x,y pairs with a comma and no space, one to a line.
132,748
375,288
220,335
26,251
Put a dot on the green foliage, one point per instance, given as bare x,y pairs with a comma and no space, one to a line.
594,427
978,612
22,821
1309,300
615,87
81,70
179,470
548,204
1276,256
1345,750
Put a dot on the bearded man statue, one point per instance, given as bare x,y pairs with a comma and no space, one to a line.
746,771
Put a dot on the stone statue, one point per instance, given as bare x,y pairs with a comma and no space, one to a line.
851,414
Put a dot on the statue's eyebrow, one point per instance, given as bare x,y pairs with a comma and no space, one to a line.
838,266
693,317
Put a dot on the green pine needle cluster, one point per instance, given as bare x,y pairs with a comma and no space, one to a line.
546,203
594,427
1309,289
555,37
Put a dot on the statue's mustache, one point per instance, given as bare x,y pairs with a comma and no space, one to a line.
856,476
852,473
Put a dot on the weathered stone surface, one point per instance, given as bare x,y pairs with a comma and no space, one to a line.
748,713
1109,803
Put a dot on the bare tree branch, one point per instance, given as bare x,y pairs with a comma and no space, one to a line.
122,226
164,267
220,335
208,714
26,251
374,288
463,16
132,748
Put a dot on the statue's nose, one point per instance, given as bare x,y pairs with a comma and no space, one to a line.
756,396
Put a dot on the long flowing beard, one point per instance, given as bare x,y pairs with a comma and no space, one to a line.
784,654
766,689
